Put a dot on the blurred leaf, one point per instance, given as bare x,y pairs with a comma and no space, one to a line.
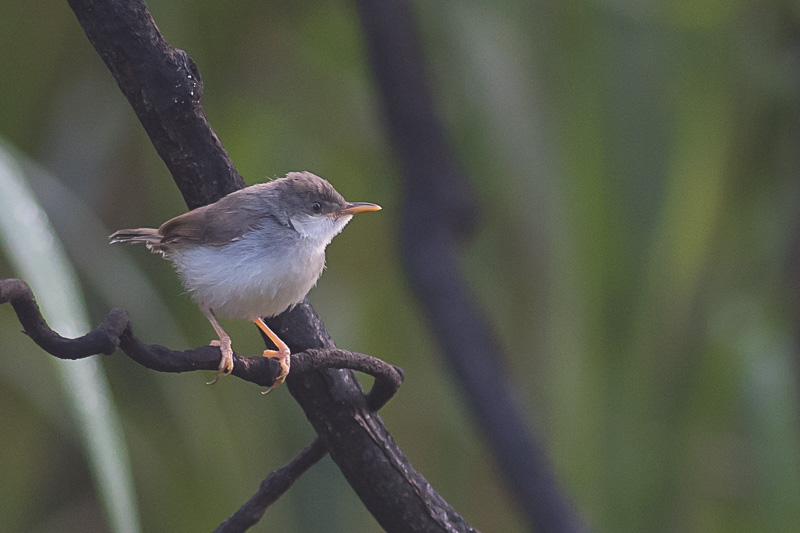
30,244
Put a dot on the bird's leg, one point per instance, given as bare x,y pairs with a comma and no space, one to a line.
224,345
282,354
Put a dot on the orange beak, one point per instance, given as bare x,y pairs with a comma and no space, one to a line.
357,207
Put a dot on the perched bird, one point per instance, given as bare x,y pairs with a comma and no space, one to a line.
254,253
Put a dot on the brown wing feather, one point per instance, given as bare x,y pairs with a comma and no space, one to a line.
221,222
188,227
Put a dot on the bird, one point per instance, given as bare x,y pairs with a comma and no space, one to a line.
252,254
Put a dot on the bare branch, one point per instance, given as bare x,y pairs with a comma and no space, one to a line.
388,378
104,339
115,331
164,87
271,489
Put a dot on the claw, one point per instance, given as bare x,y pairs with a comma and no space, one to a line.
226,361
284,358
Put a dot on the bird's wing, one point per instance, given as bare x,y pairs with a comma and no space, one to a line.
219,223
189,227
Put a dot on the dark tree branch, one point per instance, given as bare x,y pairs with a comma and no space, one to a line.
163,86
104,339
437,212
115,331
357,439
388,378
271,489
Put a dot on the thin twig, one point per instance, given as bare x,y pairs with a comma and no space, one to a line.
272,488
387,377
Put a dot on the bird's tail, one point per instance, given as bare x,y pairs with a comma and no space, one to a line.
147,236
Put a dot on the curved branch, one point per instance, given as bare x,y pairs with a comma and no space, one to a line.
388,378
104,338
116,332
272,488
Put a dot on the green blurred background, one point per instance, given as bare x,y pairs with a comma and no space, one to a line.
637,168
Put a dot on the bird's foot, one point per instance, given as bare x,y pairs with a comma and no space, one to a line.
284,358
226,361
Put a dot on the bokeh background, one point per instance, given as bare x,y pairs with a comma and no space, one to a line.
637,254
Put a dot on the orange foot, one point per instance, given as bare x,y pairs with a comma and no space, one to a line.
285,359
282,354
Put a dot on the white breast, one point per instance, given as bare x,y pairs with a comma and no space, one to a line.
247,278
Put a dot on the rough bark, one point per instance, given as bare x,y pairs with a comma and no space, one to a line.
163,85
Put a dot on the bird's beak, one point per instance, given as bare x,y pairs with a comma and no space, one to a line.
357,207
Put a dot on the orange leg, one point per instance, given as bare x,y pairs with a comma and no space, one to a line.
282,354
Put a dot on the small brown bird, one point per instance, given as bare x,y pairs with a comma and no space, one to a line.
254,253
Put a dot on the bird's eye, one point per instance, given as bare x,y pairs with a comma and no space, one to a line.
317,207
